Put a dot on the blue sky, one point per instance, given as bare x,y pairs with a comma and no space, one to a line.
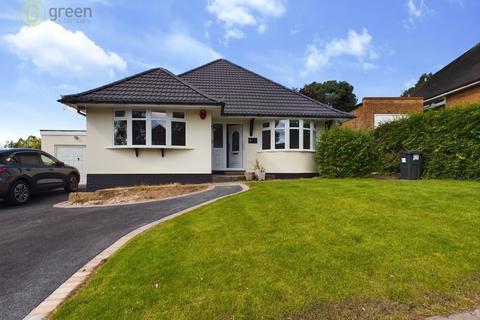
378,46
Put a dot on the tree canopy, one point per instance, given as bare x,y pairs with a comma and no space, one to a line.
338,94
30,142
423,78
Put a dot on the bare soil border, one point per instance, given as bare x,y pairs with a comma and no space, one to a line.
68,205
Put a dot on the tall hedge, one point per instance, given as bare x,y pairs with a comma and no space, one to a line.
346,153
449,140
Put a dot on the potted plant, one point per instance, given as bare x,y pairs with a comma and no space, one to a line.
259,170
249,175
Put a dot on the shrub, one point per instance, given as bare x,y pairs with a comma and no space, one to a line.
344,153
449,140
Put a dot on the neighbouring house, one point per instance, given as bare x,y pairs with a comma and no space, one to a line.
157,127
457,84
67,146
376,110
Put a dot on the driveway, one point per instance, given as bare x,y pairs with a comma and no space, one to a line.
42,246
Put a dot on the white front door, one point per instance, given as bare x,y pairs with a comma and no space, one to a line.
235,146
73,156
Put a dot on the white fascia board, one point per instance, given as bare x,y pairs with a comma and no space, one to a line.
46,132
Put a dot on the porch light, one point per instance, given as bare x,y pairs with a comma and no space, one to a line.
203,114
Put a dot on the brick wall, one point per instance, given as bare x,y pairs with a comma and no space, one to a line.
464,97
382,105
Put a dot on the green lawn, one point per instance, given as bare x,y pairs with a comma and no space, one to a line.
300,249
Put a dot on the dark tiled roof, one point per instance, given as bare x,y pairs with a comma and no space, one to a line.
246,93
461,72
156,86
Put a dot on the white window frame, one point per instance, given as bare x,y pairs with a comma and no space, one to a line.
168,118
271,128
124,118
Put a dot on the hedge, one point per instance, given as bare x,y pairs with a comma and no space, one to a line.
346,153
449,140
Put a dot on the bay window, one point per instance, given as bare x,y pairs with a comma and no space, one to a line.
159,128
120,128
139,127
178,133
288,135
148,127
294,134
266,136
306,135
280,134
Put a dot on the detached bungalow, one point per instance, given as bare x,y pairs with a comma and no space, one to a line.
157,127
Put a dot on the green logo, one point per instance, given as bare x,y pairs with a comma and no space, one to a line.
32,12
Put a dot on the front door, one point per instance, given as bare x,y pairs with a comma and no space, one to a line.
235,146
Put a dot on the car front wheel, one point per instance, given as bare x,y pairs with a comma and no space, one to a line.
72,183
19,193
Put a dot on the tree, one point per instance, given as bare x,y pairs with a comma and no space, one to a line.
338,94
30,142
423,78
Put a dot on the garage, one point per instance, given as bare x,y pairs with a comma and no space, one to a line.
67,146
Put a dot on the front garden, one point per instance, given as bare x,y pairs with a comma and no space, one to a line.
300,249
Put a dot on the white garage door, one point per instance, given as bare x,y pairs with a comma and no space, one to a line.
74,156
384,118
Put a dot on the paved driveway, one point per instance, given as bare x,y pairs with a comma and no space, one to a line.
42,246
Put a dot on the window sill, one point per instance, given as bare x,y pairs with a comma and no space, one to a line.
286,150
150,147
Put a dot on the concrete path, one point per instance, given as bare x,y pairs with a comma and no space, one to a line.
471,315
42,246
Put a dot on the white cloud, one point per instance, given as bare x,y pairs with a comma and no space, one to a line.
207,26
182,44
416,9
54,49
294,31
262,27
356,44
175,49
234,33
234,14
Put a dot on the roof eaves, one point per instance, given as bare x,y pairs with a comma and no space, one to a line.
139,102
291,114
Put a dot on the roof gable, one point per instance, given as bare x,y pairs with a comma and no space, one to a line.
461,72
246,93
155,86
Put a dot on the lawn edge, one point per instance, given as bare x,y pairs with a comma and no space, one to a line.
66,289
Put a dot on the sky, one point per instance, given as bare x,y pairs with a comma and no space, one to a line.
380,47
